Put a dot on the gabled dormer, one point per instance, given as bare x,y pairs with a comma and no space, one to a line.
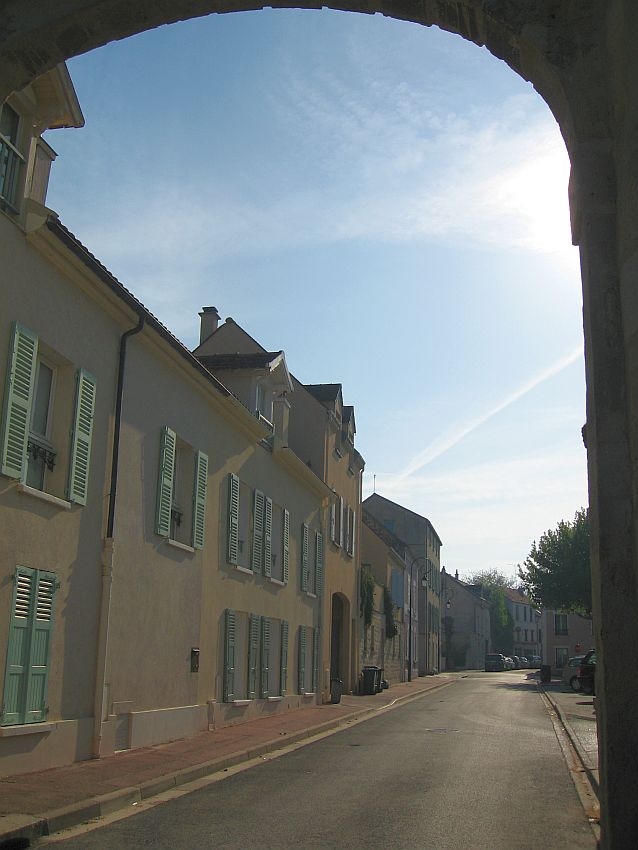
48,103
257,380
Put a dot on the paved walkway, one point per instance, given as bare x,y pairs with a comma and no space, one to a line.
577,714
43,803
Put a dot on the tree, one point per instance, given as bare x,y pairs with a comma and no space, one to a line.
493,585
556,573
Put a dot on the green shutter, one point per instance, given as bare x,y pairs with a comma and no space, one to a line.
265,652
268,537
199,499
341,522
165,475
229,656
319,570
253,647
283,672
81,437
302,659
304,557
29,648
41,633
18,397
353,526
315,660
257,560
286,546
233,519
333,522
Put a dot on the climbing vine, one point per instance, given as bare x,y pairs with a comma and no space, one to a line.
388,609
367,597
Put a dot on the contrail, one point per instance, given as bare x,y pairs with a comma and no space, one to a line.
447,441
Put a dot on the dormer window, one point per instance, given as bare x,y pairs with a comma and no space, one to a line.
10,157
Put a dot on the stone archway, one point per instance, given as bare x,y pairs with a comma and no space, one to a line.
581,59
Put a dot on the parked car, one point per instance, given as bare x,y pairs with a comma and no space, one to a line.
509,664
587,673
524,662
494,662
570,672
535,661
517,662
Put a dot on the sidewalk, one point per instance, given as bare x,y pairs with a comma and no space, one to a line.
36,804
576,712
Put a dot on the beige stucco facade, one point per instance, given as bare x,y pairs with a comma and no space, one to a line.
162,564
321,434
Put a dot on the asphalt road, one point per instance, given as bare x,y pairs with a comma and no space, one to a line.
475,765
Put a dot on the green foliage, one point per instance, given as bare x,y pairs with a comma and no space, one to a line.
367,596
556,573
493,585
388,609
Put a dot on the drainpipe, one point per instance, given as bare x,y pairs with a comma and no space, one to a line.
107,555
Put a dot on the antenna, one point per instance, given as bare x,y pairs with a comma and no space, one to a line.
374,483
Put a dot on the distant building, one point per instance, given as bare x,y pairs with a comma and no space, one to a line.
564,635
526,627
424,572
465,625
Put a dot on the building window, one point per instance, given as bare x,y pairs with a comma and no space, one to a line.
31,438
560,624
29,647
337,521
562,656
255,656
312,561
181,491
11,160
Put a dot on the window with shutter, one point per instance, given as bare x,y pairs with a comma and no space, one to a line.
29,647
232,549
283,673
267,537
286,547
319,564
182,484
257,558
264,678
305,570
81,437
28,429
199,499
253,654
229,656
302,660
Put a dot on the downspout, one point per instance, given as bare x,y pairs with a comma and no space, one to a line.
107,554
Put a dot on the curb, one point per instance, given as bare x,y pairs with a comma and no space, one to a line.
33,827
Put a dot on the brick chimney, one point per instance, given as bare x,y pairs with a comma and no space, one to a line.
209,322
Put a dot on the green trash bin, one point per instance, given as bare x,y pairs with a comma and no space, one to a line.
369,683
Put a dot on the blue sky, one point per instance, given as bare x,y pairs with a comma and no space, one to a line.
385,202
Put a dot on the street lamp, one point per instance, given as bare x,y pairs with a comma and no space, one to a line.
424,583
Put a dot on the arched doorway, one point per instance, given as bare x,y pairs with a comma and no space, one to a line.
582,64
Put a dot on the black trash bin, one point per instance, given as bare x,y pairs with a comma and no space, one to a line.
379,680
336,689
546,673
371,676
